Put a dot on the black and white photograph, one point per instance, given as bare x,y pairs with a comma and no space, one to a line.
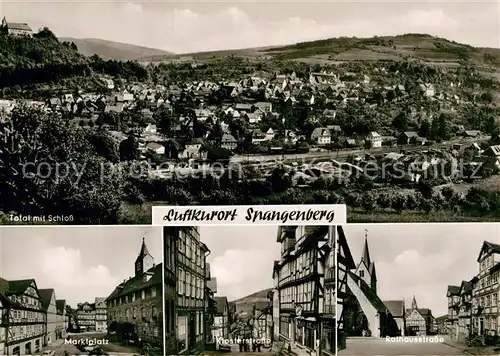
418,289
81,291
111,107
265,288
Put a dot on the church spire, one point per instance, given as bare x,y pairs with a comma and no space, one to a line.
144,249
414,304
366,252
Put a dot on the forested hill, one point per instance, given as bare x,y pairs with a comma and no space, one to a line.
43,58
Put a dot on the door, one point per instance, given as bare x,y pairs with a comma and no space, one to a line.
192,330
481,326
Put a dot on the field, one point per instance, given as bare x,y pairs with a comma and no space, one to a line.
421,47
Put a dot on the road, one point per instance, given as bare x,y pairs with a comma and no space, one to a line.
310,156
235,351
361,346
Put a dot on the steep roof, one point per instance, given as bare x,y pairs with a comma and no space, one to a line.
60,305
138,283
366,253
495,248
453,290
220,304
144,249
45,297
395,307
19,286
369,293
212,284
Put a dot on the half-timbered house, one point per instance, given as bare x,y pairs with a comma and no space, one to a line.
23,317
170,291
465,310
62,319
220,328
453,296
48,298
191,276
344,263
4,320
419,321
486,291
304,320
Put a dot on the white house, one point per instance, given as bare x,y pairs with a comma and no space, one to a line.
156,148
150,129
269,134
322,136
375,139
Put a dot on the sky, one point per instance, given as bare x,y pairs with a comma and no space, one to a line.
79,263
203,25
421,259
241,258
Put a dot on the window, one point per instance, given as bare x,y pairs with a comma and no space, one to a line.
153,292
362,274
143,294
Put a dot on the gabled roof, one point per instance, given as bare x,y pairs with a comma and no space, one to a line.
60,305
19,26
495,150
395,307
138,283
221,303
466,287
453,290
19,286
212,284
45,297
488,246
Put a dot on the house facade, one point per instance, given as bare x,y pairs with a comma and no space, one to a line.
101,315
85,316
62,319
139,300
170,290
191,286
48,298
465,310
304,320
220,328
453,295
344,263
486,291
419,321
24,319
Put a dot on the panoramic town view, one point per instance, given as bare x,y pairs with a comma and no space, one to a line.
65,291
402,126
419,289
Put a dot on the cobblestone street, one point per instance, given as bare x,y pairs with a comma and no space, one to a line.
375,346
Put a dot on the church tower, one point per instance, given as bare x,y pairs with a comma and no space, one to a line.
366,268
144,261
414,304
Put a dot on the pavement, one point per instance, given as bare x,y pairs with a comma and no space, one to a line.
361,346
235,350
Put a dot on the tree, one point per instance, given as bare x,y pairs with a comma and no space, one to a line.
48,167
104,145
129,149
165,121
425,128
